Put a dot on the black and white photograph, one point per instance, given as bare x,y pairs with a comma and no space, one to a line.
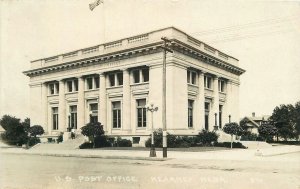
138,94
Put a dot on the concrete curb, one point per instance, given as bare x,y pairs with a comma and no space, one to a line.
282,153
92,156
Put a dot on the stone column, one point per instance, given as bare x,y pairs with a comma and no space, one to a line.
81,102
215,100
62,107
228,106
102,114
45,108
126,101
201,102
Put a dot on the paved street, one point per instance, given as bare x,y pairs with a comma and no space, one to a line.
34,171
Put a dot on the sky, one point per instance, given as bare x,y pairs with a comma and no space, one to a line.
263,35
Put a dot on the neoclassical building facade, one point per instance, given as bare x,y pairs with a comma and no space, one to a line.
113,82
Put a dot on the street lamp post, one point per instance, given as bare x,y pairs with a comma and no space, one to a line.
216,126
150,107
229,118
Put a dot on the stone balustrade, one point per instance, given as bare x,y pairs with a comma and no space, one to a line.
131,42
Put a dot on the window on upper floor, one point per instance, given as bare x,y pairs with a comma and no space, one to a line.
191,77
72,85
115,79
89,83
140,75
221,84
207,82
111,78
145,74
120,78
97,82
53,88
92,82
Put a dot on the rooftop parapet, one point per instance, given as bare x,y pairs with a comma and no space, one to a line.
132,42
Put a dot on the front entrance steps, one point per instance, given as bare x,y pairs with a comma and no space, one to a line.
255,144
223,137
65,145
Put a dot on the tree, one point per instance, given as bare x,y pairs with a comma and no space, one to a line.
267,130
296,120
207,137
15,131
92,130
233,129
9,122
284,120
36,130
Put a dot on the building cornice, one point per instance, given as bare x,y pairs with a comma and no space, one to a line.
209,59
151,48
99,59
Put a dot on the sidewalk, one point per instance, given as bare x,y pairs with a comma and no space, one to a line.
234,154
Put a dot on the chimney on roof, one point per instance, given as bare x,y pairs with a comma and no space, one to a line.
253,114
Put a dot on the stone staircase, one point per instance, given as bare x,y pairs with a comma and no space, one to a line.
255,144
69,144
223,137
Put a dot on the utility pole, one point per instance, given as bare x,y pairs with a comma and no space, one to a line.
164,79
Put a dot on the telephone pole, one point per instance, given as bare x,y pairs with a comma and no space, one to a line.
164,113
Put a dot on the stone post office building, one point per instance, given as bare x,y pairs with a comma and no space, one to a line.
113,82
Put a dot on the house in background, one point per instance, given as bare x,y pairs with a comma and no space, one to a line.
253,123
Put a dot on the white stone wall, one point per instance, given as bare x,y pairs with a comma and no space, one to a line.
37,115
178,91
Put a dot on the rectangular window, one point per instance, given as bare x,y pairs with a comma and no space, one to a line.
136,140
207,109
76,85
220,115
145,73
57,88
191,77
89,83
51,88
120,78
116,114
55,118
111,79
70,86
141,75
188,76
207,82
73,117
96,79
206,121
141,113
190,113
221,86
136,76
94,107
94,113
194,75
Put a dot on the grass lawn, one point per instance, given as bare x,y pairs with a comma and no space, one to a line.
190,149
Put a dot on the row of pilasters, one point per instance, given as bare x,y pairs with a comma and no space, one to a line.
199,120
214,101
